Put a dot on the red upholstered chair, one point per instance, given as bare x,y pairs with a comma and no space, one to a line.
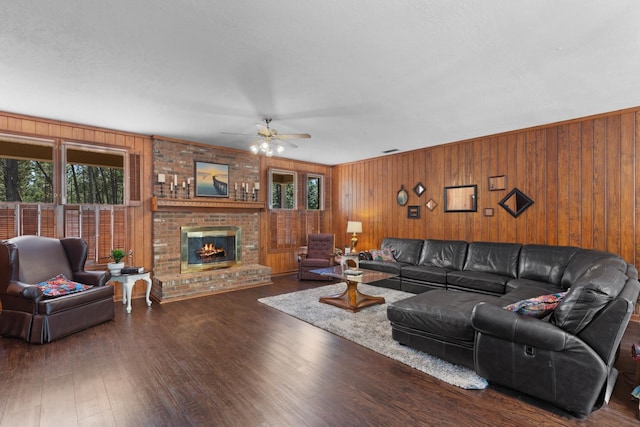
319,254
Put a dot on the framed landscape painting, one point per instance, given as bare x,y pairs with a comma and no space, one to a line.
212,179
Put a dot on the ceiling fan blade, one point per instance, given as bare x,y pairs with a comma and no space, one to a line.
294,136
235,133
288,144
263,130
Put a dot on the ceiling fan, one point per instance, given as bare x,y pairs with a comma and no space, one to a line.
271,141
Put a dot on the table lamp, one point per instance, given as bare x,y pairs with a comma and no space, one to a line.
354,227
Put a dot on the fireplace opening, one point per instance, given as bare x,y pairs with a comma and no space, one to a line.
206,248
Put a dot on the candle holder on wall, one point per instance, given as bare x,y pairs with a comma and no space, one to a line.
161,181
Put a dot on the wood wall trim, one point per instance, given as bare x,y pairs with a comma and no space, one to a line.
29,122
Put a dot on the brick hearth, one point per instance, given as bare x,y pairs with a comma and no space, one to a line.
175,157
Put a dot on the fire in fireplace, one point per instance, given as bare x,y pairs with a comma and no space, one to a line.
206,248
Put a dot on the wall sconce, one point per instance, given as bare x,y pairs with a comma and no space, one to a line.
354,227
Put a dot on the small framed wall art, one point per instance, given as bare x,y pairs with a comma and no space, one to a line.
419,189
413,212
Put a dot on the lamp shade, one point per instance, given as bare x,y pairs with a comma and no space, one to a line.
354,227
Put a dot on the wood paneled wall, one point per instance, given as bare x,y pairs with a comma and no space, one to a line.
581,175
283,261
139,220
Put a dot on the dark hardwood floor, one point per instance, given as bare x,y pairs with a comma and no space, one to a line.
227,360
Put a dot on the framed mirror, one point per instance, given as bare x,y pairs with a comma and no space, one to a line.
419,189
461,198
497,183
282,189
515,202
402,197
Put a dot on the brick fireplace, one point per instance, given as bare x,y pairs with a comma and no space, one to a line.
172,216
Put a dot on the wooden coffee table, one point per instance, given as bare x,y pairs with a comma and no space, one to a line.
352,299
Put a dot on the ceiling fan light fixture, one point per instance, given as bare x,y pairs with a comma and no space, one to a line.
271,142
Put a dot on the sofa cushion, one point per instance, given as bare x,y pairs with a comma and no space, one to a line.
315,262
531,287
478,281
426,273
50,306
538,307
591,292
448,254
585,260
495,258
519,289
544,263
404,250
385,266
60,285
440,313
41,258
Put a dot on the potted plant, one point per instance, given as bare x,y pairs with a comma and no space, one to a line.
117,265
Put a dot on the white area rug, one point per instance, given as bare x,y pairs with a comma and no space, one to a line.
369,328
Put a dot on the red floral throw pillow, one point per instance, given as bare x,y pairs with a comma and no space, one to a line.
60,285
537,307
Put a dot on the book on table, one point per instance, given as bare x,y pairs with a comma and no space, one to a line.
132,270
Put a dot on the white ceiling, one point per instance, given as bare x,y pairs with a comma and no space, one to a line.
360,76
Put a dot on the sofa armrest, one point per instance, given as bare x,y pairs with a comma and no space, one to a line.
24,290
504,324
95,278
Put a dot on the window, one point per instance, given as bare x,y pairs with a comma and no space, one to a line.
93,176
91,180
314,192
26,171
282,189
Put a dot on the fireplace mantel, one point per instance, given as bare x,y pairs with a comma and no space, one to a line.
167,204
